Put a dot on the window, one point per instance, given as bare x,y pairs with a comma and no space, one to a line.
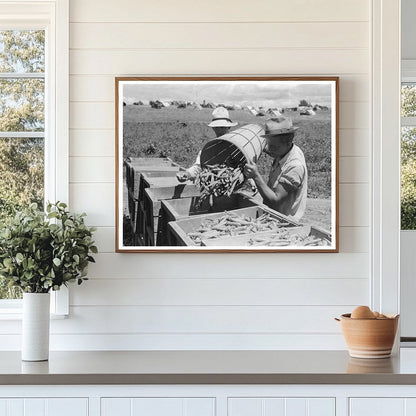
408,154
33,111
22,124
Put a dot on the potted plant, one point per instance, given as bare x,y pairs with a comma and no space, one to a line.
40,252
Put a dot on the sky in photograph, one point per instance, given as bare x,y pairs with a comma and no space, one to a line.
260,94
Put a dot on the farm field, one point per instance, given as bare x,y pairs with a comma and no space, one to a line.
181,133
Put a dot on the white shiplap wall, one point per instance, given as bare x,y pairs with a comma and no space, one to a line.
215,301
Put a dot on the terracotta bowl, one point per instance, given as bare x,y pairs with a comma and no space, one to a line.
369,338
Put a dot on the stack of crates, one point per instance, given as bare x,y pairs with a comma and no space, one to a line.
152,202
134,167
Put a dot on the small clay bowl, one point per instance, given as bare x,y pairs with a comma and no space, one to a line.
369,338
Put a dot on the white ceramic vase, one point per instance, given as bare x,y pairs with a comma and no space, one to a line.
35,326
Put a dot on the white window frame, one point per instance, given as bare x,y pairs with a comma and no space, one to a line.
53,17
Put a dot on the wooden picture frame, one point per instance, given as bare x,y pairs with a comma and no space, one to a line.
237,198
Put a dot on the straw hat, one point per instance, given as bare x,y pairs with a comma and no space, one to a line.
277,126
221,118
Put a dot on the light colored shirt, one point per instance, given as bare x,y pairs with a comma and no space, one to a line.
291,172
195,169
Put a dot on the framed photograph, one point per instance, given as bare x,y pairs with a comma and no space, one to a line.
227,164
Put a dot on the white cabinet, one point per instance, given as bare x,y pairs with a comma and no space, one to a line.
270,406
382,406
44,407
208,400
160,406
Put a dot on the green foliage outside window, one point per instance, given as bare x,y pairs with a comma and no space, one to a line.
408,160
21,110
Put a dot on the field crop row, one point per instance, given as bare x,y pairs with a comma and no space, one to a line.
181,133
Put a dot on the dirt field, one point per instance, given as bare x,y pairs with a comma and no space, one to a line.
181,133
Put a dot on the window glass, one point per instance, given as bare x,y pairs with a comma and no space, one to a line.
22,125
22,104
22,51
408,157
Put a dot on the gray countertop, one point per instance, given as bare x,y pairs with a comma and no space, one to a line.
208,367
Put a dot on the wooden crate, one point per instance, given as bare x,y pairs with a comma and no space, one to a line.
176,209
150,171
158,182
150,237
152,204
243,240
147,176
151,163
178,230
140,223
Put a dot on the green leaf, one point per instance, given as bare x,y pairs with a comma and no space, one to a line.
56,262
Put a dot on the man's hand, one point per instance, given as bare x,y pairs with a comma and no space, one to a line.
251,170
182,176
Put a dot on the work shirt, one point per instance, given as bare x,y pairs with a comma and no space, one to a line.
195,169
291,172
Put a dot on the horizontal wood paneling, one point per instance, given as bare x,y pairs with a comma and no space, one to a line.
201,319
218,35
86,115
354,205
104,238
288,297
354,239
93,143
354,142
96,199
218,11
219,62
354,115
254,265
92,169
92,115
220,291
146,342
194,320
354,170
100,88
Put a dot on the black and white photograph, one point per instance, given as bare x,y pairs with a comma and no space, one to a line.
227,164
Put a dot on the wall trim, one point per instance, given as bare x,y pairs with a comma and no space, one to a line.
385,99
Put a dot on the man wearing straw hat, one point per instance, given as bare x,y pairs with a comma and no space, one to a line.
221,125
286,189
